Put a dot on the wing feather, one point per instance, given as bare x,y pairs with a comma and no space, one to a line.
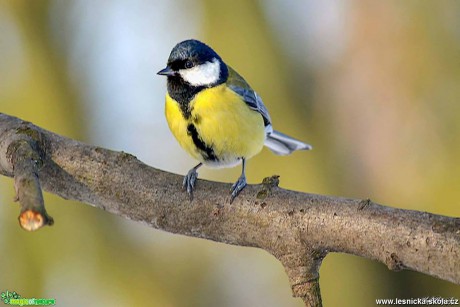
237,84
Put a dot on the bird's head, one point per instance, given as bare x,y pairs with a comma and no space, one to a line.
196,64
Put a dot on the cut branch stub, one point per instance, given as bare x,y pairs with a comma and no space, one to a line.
25,156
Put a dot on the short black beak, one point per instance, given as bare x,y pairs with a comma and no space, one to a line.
166,72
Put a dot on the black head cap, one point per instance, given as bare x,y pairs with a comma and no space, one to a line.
193,50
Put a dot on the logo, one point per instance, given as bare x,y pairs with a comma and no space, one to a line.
13,298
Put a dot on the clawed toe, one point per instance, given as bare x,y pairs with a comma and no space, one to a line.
189,181
237,187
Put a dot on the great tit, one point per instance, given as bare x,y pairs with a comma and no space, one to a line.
215,115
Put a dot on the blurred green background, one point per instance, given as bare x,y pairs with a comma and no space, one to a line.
373,86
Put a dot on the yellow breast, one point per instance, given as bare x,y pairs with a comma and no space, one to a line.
223,122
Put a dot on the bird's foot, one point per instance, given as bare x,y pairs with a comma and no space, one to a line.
189,182
237,187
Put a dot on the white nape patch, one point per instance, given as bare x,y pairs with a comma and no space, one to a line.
202,75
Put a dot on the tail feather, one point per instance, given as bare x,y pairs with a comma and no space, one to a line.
281,144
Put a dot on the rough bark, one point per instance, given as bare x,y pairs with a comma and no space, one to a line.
299,229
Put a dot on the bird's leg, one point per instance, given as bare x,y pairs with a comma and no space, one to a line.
190,179
239,185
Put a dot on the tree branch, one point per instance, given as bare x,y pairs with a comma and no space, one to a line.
299,229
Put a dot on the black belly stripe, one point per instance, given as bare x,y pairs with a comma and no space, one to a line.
208,152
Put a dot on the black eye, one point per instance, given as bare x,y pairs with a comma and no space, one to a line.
188,64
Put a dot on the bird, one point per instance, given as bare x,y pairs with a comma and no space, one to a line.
215,115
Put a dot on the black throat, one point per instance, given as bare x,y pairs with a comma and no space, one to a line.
183,93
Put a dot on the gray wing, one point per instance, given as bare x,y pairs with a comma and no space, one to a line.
237,84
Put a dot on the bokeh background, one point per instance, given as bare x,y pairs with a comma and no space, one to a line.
373,86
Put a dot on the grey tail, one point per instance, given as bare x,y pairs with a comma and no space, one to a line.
281,144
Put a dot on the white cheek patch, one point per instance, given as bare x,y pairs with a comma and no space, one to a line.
202,75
